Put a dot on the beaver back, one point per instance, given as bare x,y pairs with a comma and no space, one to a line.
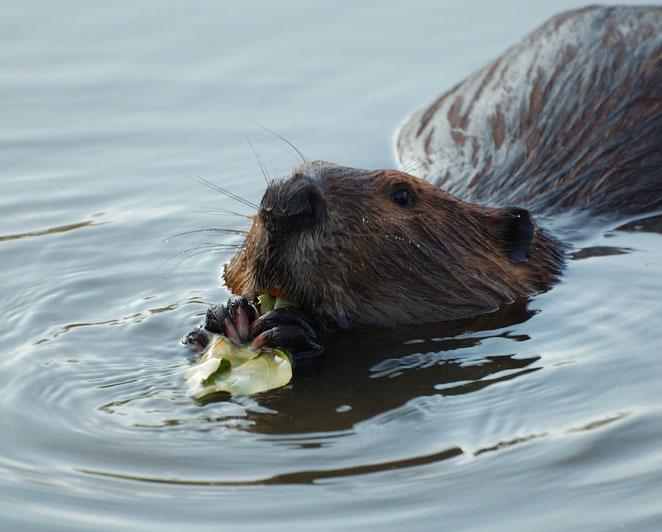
570,118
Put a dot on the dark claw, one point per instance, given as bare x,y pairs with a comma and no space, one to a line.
242,314
197,339
289,329
242,318
290,338
232,319
284,316
215,318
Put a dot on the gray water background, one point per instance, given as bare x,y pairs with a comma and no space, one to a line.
547,416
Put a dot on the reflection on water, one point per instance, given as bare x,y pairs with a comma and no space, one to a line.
302,477
369,372
648,224
551,403
598,251
49,231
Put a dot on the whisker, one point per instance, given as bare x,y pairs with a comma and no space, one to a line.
216,210
278,135
207,245
184,259
198,250
259,161
240,232
215,187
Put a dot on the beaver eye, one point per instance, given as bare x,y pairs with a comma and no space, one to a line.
403,196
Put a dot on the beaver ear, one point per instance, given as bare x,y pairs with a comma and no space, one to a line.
514,229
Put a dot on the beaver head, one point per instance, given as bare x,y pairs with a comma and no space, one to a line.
383,247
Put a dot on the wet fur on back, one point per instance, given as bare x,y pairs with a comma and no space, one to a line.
570,118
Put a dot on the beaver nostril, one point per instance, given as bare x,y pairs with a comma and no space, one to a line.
314,204
305,207
296,207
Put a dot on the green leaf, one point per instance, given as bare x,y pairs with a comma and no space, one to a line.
238,370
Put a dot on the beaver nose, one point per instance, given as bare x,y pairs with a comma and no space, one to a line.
292,205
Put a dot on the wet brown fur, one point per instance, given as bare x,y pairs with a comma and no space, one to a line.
568,119
580,127
371,261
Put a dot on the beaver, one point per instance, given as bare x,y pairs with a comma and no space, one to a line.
568,120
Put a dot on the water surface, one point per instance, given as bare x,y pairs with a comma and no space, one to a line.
545,415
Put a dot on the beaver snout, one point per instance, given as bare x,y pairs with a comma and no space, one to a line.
292,205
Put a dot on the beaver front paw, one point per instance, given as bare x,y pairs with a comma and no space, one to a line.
233,319
288,329
198,339
240,321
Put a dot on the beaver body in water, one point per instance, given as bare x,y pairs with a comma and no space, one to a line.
569,119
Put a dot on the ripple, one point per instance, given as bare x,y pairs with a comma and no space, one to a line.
134,318
509,443
300,477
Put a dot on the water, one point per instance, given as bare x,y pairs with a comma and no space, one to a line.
546,415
